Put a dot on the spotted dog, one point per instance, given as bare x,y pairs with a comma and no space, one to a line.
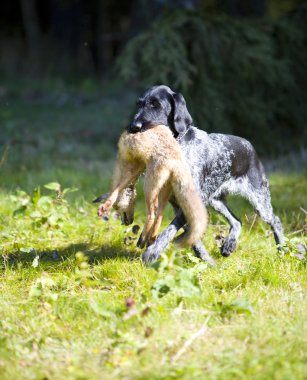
220,165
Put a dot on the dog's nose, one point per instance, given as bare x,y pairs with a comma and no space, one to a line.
135,126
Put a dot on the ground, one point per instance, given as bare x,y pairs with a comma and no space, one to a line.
76,302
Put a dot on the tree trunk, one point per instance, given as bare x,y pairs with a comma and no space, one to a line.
31,27
103,46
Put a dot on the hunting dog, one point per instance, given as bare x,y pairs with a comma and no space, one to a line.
166,173
219,164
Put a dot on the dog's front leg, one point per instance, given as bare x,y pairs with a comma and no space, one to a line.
235,226
154,251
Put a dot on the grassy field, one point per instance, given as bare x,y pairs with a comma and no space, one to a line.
76,302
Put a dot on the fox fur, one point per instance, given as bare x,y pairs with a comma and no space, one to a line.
167,174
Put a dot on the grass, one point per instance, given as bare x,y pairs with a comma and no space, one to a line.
75,300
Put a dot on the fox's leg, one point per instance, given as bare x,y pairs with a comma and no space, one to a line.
151,207
155,178
163,198
126,173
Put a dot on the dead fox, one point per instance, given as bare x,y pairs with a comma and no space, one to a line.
157,151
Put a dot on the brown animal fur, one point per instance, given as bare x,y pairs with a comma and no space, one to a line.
166,173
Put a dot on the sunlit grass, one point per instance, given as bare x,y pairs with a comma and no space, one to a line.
76,301
67,316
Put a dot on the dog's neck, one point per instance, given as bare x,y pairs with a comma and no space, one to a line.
181,135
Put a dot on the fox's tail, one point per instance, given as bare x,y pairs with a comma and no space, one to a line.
192,206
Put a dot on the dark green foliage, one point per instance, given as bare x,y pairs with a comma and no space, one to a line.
241,76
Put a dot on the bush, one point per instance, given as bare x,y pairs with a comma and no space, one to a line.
240,76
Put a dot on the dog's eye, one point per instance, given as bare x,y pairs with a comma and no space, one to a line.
154,103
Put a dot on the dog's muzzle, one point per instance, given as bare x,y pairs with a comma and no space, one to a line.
135,127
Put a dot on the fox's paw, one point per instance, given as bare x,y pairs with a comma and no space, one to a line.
104,209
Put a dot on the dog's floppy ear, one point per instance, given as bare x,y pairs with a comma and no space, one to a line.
182,118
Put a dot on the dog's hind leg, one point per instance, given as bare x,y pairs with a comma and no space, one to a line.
261,201
235,226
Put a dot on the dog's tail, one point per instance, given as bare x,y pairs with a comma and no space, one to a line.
192,206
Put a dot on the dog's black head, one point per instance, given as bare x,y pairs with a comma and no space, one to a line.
161,105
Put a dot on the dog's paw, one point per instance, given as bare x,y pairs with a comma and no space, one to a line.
150,256
207,258
228,247
146,258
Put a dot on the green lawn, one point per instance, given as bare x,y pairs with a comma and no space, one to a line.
76,301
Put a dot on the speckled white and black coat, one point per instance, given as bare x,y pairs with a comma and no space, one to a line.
220,165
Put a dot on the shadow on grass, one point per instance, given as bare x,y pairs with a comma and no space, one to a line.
68,254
